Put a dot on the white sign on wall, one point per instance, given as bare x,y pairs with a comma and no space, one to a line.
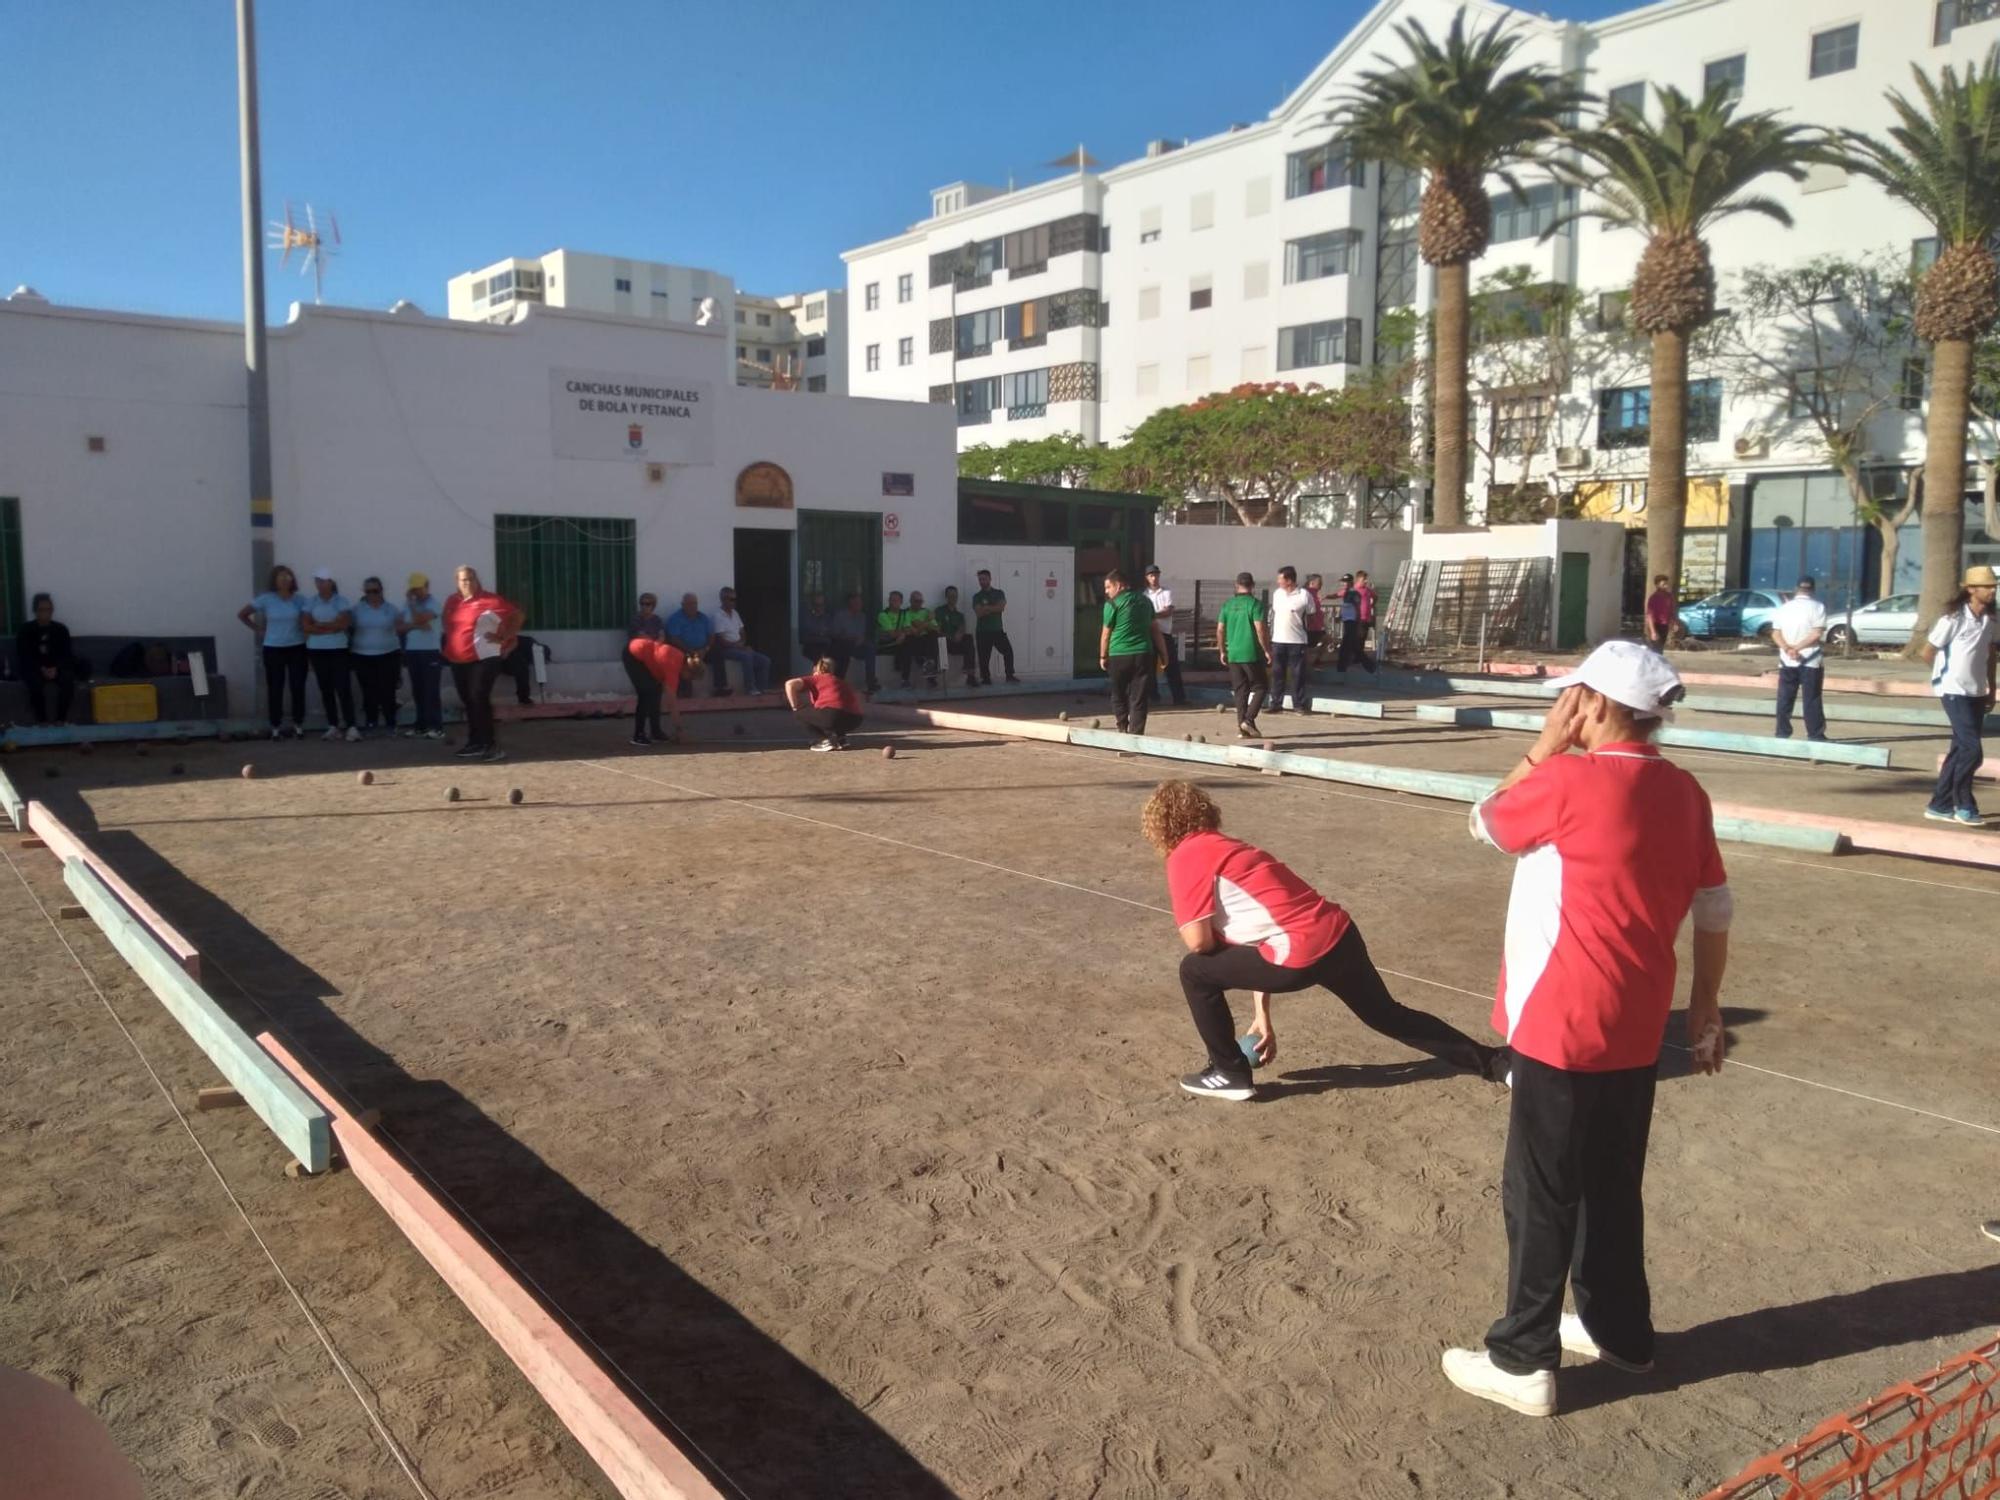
656,418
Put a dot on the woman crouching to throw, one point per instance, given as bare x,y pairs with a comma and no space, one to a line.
825,706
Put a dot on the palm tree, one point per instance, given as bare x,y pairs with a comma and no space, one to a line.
1671,180
1943,159
1454,112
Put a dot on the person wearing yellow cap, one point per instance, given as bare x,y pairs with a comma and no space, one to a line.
1963,649
418,625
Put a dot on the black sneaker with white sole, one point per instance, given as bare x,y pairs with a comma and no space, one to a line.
642,741
1216,1083
469,752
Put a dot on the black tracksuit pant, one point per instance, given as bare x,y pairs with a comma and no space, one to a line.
1248,681
1345,968
474,681
334,674
834,724
1131,690
989,642
1571,1193
647,695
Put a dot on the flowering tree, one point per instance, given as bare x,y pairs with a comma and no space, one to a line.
1261,447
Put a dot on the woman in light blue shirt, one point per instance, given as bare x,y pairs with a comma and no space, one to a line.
274,615
326,621
419,624
378,657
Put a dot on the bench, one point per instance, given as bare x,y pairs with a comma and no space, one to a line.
175,690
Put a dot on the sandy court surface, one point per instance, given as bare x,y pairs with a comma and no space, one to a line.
834,1097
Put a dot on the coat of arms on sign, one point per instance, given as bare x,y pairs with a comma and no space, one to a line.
635,435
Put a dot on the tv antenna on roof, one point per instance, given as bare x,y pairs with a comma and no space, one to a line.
307,237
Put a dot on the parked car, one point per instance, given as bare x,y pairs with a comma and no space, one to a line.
1886,622
1732,612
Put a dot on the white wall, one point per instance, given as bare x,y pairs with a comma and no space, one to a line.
1603,540
1186,553
1040,584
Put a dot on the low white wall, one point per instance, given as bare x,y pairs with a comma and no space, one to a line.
1186,553
1603,541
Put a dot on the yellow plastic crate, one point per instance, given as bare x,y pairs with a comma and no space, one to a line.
125,703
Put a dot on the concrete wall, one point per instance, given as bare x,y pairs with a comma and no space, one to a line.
1186,553
1604,541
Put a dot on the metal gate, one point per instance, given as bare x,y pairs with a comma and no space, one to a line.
1478,605
840,552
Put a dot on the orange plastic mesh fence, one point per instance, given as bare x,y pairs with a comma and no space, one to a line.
1934,1438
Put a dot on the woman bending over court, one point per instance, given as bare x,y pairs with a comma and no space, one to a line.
825,706
1249,923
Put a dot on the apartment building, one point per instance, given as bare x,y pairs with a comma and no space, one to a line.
793,342
1263,253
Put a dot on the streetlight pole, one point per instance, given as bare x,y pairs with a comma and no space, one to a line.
257,384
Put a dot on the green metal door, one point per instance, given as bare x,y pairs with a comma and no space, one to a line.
1572,619
840,551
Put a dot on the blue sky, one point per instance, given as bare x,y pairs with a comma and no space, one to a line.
758,138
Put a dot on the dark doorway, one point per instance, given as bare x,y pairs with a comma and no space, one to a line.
764,593
840,552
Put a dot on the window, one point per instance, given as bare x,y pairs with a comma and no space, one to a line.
1025,394
1149,225
815,347
874,356
505,282
906,351
1317,256
763,320
1525,217
13,586
660,294
1335,342
1952,14
1624,416
1321,168
763,356
817,310
1724,73
871,296
1028,324
569,572
906,286
1611,308
1197,374
977,332
1916,384
1256,364
478,295
1201,293
741,316
1923,254
1630,97
622,284
1149,303
1519,422
1026,251
1814,395
1517,313
1836,51
816,384
1256,280
1256,197
1147,380
1704,403
1201,211
976,400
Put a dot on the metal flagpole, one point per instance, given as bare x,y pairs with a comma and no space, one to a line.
257,385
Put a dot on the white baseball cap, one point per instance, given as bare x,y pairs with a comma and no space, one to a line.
1630,673
326,573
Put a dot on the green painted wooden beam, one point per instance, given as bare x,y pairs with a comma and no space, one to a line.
1151,744
299,1123
1874,756
1779,835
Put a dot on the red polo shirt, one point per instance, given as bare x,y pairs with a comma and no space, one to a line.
1613,846
1261,902
461,616
657,657
829,691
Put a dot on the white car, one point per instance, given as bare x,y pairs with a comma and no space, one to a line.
1886,622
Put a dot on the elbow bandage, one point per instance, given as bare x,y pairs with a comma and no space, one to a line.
1713,909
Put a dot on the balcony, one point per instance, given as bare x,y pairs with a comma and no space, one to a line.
1027,413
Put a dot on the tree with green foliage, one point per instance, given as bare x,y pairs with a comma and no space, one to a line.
1454,110
1062,458
1261,448
1942,158
1671,179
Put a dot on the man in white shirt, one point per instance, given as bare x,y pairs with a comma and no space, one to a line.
1796,630
1290,608
1964,652
729,645
1162,600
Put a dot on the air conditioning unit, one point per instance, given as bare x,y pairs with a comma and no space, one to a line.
1572,458
1753,445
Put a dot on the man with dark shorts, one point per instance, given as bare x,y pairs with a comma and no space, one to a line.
1244,644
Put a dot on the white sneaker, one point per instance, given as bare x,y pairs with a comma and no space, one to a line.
1991,1229
824,745
353,735
331,733
1576,1340
277,733
1473,1371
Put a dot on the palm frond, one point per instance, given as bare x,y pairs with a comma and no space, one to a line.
1942,155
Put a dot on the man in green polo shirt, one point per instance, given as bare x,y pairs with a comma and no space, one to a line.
1244,644
951,629
989,607
919,641
889,633
1127,649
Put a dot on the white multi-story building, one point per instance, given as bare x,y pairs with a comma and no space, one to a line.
794,342
1262,253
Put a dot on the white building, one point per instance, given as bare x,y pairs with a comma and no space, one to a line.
573,458
1260,253
794,342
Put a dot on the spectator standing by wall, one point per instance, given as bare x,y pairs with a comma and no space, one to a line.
480,628
854,640
1128,647
418,622
378,656
327,619
989,609
1290,607
1162,599
691,630
276,618
1316,622
1797,630
1961,649
44,658
1662,614
1353,628
1365,604
1244,644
